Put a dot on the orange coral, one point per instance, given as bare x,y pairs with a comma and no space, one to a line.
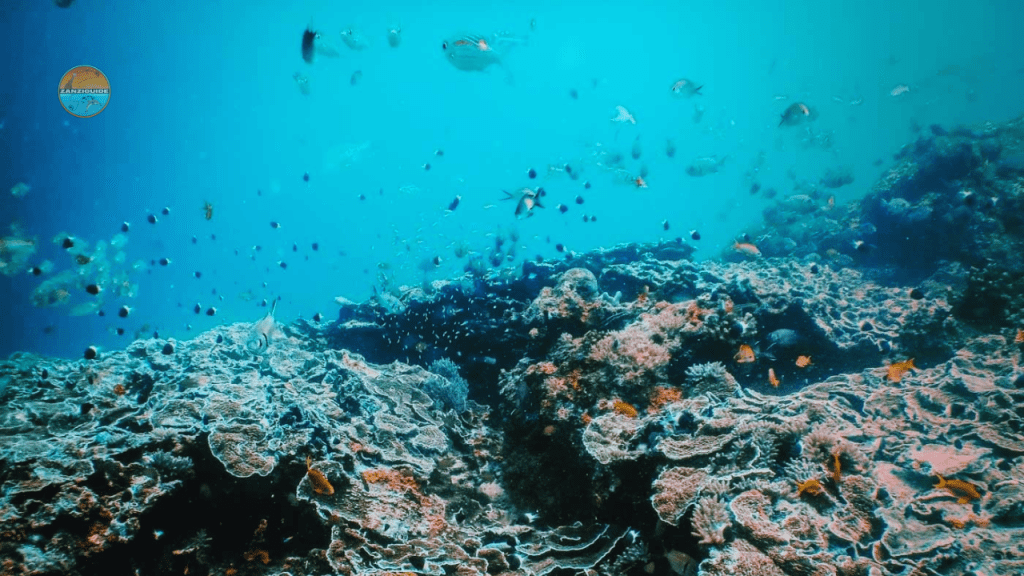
585,418
257,555
624,408
811,486
393,478
964,491
119,389
317,480
662,395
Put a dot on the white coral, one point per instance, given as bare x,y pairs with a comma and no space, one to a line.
710,520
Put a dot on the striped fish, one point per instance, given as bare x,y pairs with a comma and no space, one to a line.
262,332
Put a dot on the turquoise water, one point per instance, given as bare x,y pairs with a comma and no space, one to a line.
207,110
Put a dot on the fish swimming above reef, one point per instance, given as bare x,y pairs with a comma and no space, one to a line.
394,36
622,116
796,114
476,53
354,39
308,37
684,88
705,165
527,200
263,332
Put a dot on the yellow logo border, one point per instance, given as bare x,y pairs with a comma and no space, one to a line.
110,91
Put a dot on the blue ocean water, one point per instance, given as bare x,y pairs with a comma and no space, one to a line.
204,108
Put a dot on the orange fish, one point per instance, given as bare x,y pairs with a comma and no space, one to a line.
640,182
898,369
746,248
317,480
745,355
964,491
836,467
772,379
803,361
1020,337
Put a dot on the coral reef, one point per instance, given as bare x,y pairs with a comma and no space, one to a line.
626,411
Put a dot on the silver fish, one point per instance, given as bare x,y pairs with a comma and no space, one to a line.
528,200
354,39
705,165
323,47
684,88
394,36
473,52
797,113
262,332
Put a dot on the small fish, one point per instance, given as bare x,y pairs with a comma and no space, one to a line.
211,311
670,149
356,77
354,39
263,332
684,88
623,115
772,379
527,200
124,312
901,89
91,353
698,113
303,84
637,150
93,289
745,354
803,361
664,225
964,491
307,45
208,210
470,52
746,248
795,114
394,36
898,369
640,182
695,234
531,173
124,227
317,480
454,203
705,165
151,219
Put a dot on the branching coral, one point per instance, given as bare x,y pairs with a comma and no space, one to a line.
710,377
710,519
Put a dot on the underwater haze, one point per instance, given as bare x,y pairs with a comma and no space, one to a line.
205,108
